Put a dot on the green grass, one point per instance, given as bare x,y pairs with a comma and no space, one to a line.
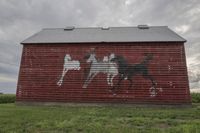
38,119
7,98
195,97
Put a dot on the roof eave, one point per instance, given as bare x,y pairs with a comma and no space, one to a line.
24,43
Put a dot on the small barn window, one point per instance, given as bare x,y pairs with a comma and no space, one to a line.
143,27
69,28
105,28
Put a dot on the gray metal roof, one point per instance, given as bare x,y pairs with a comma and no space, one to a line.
111,34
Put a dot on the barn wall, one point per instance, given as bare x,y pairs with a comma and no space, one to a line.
42,67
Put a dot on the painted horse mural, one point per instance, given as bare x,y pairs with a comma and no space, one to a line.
112,65
69,64
128,71
104,66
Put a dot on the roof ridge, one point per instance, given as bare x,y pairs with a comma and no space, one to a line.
97,34
102,27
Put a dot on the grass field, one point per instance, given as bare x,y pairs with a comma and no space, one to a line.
7,98
39,119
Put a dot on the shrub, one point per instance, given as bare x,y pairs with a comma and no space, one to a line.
195,97
7,98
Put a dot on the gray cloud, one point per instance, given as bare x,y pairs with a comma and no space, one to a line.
194,79
20,19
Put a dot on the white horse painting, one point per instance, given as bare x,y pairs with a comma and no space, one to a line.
69,64
105,66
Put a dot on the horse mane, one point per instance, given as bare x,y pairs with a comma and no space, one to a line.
121,60
147,58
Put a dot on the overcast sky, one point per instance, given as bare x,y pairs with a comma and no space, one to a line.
20,19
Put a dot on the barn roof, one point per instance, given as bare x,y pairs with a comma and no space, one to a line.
110,34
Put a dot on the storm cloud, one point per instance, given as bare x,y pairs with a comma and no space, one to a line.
20,19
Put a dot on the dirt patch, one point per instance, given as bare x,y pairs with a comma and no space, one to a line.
162,125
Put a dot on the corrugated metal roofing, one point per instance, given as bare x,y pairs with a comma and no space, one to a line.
111,34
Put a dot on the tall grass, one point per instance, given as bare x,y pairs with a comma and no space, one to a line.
7,98
195,97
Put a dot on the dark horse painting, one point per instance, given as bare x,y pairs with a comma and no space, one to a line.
128,71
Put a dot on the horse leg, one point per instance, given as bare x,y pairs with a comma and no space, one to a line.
90,77
93,75
118,83
131,82
147,76
108,78
152,80
59,83
111,79
113,76
86,81
110,82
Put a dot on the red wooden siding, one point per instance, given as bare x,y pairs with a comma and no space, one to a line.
42,65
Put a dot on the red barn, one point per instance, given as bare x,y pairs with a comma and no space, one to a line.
142,64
